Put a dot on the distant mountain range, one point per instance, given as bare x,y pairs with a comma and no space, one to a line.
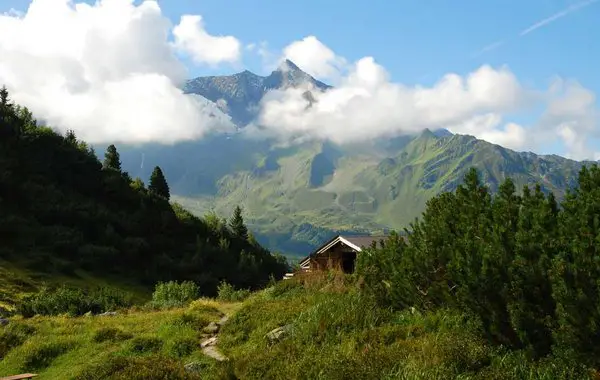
297,196
240,94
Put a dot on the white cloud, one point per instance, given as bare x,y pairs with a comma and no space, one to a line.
191,38
315,58
106,71
366,104
572,115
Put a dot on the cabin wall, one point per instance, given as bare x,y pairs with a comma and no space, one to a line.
332,258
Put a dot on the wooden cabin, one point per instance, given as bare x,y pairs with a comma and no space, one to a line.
339,252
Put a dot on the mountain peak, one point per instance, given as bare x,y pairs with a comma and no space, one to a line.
288,65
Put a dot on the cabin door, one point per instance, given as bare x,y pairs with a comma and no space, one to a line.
348,261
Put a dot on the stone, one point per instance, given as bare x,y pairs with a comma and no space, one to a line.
214,353
209,342
279,333
212,328
194,367
3,322
223,320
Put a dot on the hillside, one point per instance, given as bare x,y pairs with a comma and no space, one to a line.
506,299
296,197
66,214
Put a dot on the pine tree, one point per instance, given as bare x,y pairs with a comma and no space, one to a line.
112,159
158,184
531,305
236,223
576,269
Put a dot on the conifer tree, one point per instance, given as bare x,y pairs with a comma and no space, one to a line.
158,184
531,305
576,269
236,223
112,159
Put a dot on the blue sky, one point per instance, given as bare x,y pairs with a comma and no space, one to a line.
417,42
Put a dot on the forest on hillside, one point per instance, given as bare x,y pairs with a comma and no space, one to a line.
63,210
524,266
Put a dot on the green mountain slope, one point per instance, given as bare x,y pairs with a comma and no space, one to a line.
298,196
371,188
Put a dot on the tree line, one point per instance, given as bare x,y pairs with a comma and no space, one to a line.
524,265
61,210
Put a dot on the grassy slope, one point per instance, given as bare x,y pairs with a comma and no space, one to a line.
16,282
67,348
371,189
337,334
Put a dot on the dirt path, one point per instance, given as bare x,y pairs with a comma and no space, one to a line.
209,345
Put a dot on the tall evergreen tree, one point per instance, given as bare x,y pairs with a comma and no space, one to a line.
576,269
158,184
112,159
236,223
531,305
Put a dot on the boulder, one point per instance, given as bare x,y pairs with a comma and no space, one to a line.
194,367
212,328
279,333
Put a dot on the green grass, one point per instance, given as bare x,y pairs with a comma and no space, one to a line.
133,342
16,282
336,333
333,331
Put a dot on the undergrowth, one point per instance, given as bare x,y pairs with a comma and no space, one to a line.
334,331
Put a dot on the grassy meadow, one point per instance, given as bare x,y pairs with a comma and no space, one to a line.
134,344
332,330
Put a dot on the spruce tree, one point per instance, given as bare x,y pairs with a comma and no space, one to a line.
158,184
576,269
531,305
236,223
112,159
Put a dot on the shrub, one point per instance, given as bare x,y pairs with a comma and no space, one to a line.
226,292
144,344
110,334
13,336
41,356
72,301
195,321
182,347
136,368
204,305
174,294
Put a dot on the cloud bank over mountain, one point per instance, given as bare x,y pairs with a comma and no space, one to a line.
365,103
112,71
108,71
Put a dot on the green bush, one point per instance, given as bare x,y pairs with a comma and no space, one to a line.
143,344
136,368
195,321
13,336
73,301
174,294
41,356
226,292
182,347
110,334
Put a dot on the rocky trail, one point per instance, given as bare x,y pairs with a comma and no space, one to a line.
209,346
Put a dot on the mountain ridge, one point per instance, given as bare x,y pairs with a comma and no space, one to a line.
239,94
301,194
